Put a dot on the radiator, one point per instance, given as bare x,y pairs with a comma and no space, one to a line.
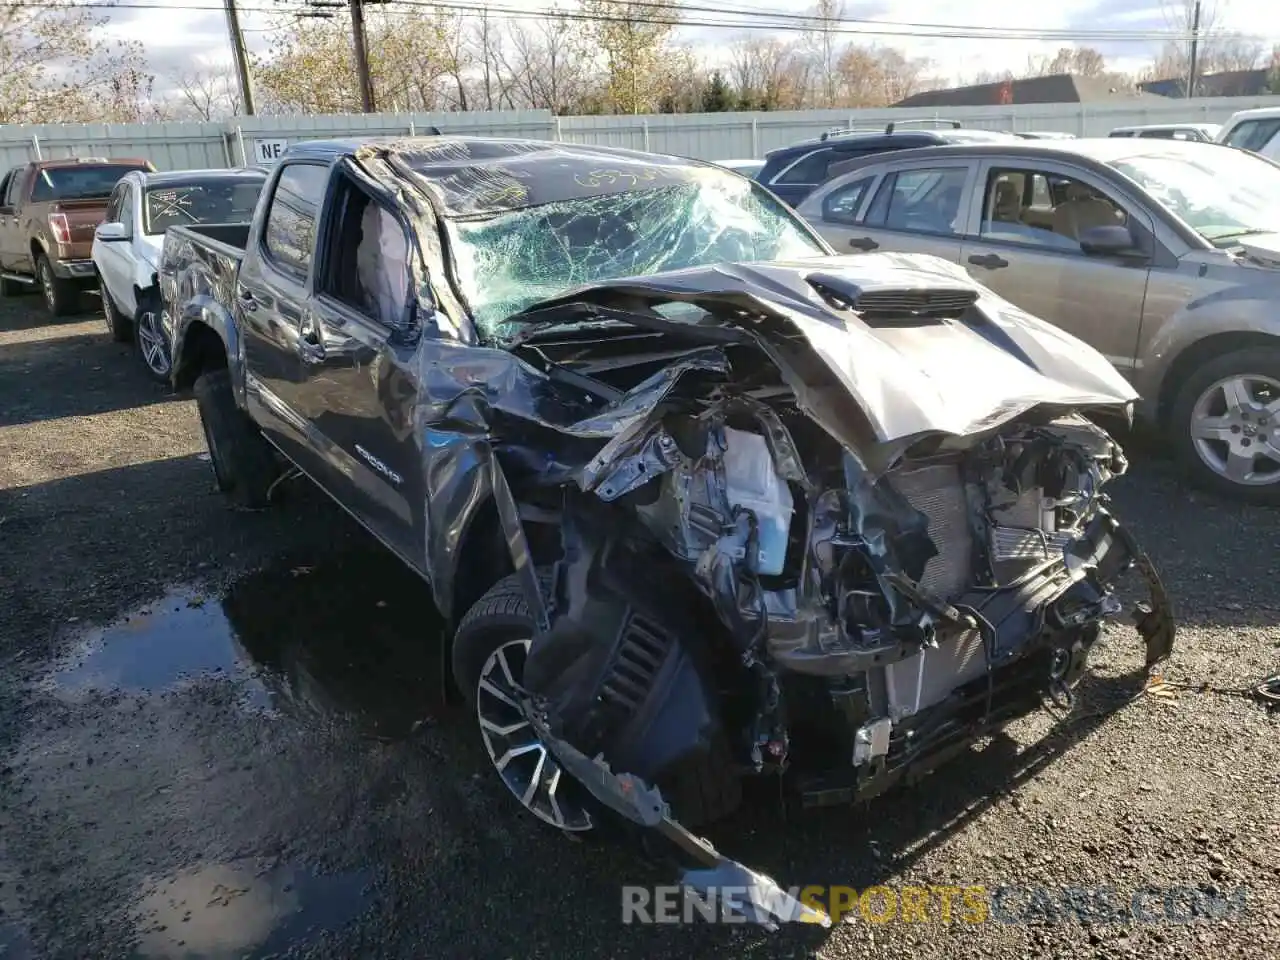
937,491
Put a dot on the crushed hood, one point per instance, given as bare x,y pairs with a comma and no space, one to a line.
909,376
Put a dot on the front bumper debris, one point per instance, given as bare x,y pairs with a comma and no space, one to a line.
761,901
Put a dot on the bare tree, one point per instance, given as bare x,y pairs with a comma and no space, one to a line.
1078,61
769,74
548,62
207,93
823,43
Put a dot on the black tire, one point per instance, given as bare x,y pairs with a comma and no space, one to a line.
707,788
118,325
1256,362
150,303
244,463
62,297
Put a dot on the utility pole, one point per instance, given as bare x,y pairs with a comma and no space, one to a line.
362,55
1195,51
241,57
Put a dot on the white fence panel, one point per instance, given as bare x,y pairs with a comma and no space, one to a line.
707,136
170,146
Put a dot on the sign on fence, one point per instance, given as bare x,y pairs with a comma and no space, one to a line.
268,151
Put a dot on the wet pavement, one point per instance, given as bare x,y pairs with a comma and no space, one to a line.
352,636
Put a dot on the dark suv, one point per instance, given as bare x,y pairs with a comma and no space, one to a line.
793,172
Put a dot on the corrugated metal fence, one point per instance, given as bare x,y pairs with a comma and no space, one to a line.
708,136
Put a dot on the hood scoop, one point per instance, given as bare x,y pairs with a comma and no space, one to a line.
879,306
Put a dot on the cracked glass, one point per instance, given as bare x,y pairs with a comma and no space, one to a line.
515,259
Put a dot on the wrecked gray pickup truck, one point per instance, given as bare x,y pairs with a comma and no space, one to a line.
703,500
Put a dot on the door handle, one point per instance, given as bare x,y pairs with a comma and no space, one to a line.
310,343
991,261
863,243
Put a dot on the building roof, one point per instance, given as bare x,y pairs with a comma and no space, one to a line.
1228,83
1059,88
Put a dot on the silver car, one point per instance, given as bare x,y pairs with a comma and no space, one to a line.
1162,254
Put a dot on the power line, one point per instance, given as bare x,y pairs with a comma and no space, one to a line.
740,20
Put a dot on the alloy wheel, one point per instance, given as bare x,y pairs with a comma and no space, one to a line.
528,769
1235,428
151,343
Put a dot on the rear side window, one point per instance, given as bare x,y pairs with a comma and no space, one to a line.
920,201
809,170
17,184
1253,134
842,205
291,222
79,182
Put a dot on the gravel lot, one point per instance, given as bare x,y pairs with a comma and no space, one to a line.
220,736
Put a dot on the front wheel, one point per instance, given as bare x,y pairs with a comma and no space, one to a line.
489,651
150,339
1225,425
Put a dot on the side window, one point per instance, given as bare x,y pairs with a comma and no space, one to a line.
808,170
366,265
842,205
1253,134
290,230
1012,214
17,183
920,201
4,187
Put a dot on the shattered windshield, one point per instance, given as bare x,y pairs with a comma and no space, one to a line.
1223,194
512,260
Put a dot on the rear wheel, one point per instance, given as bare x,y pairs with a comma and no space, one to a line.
118,324
1225,425
62,297
244,463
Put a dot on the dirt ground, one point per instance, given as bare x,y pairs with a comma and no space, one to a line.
220,736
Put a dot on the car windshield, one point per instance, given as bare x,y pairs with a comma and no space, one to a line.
510,261
216,200
79,182
1222,194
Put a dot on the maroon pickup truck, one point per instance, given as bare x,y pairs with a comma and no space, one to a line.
48,212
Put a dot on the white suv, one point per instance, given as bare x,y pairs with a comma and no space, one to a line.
1256,130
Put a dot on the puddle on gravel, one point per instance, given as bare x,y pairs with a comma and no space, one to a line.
354,634
238,910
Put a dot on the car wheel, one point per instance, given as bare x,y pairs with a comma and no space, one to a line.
62,297
489,650
149,336
1225,425
118,324
244,463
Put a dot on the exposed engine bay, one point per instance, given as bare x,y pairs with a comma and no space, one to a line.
742,590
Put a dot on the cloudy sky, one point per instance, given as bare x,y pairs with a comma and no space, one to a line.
183,33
